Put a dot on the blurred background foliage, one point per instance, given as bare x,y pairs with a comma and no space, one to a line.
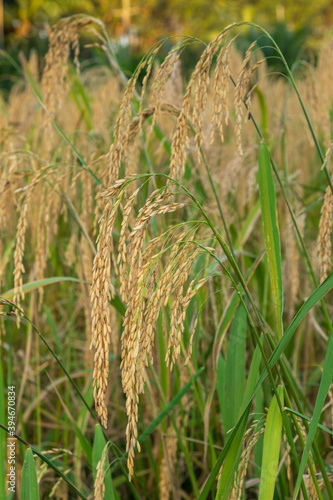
134,25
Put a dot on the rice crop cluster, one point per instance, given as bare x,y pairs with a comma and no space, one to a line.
165,269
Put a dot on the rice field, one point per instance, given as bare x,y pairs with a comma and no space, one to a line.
165,268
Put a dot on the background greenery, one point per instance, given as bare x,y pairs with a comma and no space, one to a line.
134,25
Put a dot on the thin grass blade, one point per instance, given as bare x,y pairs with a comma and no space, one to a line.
271,451
235,370
315,297
97,455
233,446
220,382
271,230
174,401
34,285
325,384
29,484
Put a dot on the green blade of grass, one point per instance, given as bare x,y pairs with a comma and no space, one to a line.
232,454
315,297
97,452
48,460
325,383
228,314
235,370
29,484
98,447
271,230
53,329
304,417
86,446
84,107
232,460
169,407
271,451
248,224
263,109
34,285
80,420
220,381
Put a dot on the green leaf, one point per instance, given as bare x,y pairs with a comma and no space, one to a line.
228,314
51,462
34,285
85,109
325,383
315,297
248,224
29,484
53,328
80,420
118,305
271,230
307,419
98,449
271,451
174,401
235,369
233,447
220,382
86,446
232,459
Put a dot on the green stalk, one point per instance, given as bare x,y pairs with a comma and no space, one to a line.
48,461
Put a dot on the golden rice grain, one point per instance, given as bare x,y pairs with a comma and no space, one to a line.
240,93
160,81
100,296
99,485
18,254
237,489
220,91
64,36
167,468
325,235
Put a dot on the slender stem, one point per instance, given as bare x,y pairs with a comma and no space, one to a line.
44,458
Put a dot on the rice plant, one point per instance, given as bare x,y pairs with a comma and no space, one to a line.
165,273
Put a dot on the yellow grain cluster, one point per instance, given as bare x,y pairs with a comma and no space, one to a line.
325,235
